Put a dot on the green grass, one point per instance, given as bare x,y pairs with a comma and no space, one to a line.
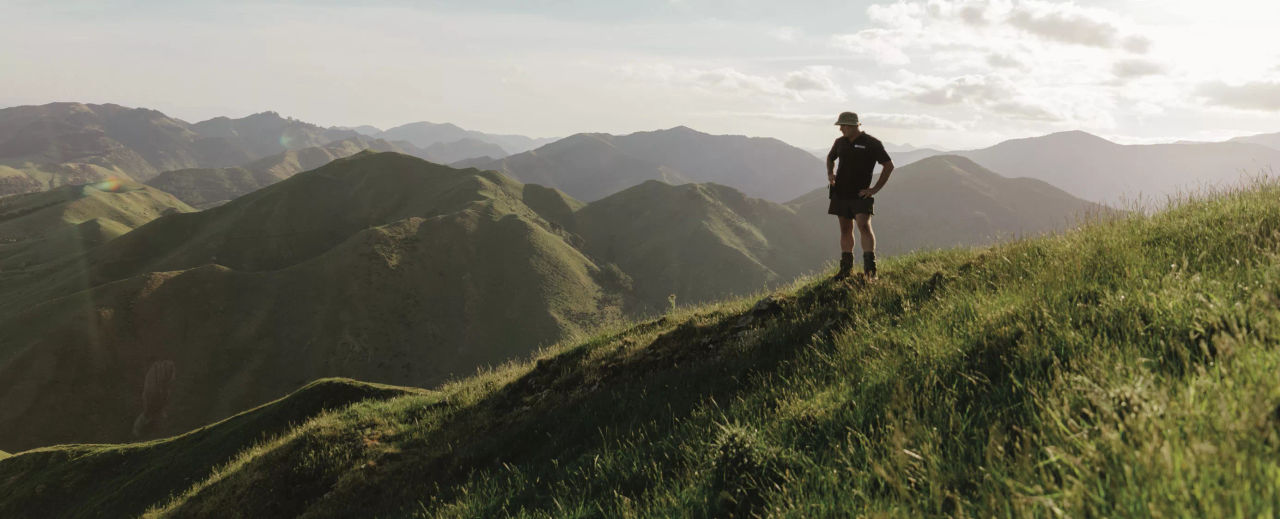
1124,370
122,480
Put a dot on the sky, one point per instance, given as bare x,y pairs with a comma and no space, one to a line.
953,74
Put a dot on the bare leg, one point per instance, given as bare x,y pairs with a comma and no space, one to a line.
846,234
864,228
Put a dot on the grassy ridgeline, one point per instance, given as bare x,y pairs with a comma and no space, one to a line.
1124,370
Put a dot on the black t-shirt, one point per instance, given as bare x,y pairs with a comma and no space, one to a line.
857,160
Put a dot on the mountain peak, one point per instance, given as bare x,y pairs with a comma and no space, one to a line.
1077,136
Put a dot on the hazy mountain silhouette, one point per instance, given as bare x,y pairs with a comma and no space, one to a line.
590,166
948,201
267,133
462,149
1270,140
208,187
587,166
1099,170
424,134
366,130
73,143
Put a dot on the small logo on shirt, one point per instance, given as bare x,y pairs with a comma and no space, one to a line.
859,146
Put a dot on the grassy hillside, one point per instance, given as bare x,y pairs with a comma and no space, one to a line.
380,266
1126,369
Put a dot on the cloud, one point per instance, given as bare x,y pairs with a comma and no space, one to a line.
1135,68
909,121
993,93
1257,95
882,120
1000,60
880,45
1061,24
1136,44
806,84
1024,110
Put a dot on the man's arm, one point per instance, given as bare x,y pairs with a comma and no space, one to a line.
831,172
887,168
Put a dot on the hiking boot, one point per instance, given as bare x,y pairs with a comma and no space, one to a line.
846,265
869,264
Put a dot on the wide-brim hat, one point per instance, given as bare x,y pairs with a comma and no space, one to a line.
848,119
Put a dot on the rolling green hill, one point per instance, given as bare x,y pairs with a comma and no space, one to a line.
1124,369
38,228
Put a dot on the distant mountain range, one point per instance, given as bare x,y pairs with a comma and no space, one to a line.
590,166
1099,170
46,146
949,201
425,134
1270,140
207,187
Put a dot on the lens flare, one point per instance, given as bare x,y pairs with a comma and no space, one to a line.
110,185
286,141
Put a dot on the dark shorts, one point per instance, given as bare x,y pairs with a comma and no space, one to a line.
846,208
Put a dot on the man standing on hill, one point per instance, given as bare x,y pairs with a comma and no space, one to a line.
850,189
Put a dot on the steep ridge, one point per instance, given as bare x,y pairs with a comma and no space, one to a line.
109,481
379,266
697,242
1080,365
208,187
